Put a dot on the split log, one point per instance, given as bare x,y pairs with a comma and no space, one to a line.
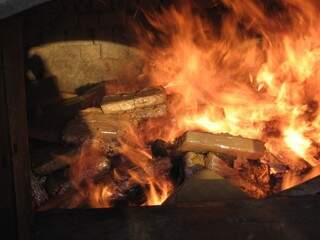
91,125
251,184
222,143
154,99
51,158
295,184
155,111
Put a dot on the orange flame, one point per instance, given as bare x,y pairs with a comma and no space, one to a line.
137,167
255,75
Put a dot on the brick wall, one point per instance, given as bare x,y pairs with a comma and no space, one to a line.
85,41
81,41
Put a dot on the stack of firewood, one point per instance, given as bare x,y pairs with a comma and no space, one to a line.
99,123
96,117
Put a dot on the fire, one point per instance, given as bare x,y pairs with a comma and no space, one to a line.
297,143
255,75
137,171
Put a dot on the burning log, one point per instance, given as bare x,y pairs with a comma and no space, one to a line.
149,102
93,123
254,179
222,143
65,186
295,184
90,125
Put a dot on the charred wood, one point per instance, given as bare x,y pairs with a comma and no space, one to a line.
256,184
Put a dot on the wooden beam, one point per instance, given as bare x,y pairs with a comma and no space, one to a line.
15,164
283,218
7,219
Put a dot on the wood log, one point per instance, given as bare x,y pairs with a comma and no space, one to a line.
296,184
48,159
91,125
47,122
222,143
145,98
249,184
276,218
155,111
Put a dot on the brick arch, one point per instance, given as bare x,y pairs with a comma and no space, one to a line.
83,41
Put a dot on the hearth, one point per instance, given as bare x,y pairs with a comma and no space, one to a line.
159,119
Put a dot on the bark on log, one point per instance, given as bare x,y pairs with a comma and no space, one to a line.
222,143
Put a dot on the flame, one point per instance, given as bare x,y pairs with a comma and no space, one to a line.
157,186
136,169
254,73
